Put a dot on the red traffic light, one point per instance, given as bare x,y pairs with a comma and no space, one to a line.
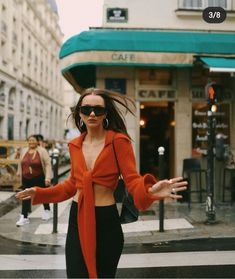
213,93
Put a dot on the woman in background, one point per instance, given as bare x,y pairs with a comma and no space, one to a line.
34,169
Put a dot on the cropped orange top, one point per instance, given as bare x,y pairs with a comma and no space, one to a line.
105,173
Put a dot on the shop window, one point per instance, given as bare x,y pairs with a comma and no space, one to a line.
200,126
155,76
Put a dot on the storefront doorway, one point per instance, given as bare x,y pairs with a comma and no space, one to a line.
156,129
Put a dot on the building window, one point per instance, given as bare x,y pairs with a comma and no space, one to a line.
2,94
3,27
29,104
11,98
10,129
14,38
200,5
4,52
218,3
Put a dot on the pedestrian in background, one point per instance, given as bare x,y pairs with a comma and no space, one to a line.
95,239
40,140
34,169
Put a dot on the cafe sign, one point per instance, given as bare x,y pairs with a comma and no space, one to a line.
157,94
123,57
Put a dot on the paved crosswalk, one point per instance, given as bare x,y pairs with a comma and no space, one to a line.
142,260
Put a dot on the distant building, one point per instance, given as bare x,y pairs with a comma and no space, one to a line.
31,85
70,100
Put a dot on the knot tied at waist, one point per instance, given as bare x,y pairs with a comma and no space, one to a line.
87,223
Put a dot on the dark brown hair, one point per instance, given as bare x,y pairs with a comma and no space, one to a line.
114,114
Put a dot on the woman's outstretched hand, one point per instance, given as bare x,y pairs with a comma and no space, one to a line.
168,188
26,194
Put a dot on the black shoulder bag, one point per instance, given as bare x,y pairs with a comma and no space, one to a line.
129,213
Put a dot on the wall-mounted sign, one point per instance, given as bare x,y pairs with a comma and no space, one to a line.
162,94
117,15
116,84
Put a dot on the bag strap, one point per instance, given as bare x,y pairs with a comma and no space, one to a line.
115,154
119,171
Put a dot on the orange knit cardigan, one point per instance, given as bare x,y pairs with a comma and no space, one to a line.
105,172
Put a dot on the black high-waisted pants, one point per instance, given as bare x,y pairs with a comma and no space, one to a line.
109,242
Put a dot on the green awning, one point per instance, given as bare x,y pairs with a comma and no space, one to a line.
82,53
219,64
150,41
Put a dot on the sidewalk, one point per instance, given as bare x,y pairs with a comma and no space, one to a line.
179,223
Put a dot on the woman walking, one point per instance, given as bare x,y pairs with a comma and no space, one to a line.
95,239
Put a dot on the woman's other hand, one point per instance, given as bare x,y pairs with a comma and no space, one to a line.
26,194
168,188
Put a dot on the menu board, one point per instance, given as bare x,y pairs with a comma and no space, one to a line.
200,126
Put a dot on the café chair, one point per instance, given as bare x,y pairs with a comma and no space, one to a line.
228,182
193,173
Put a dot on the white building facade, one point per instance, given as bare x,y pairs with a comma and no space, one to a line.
31,85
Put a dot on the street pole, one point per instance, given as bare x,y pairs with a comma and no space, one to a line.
55,165
210,207
161,151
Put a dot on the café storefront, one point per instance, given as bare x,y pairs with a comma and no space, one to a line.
166,74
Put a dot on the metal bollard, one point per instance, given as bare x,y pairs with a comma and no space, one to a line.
55,166
161,151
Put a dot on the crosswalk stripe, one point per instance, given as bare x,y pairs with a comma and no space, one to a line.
139,226
153,225
57,262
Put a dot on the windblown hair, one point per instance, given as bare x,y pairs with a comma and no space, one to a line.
114,114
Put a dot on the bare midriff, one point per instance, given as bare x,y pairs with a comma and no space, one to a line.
103,195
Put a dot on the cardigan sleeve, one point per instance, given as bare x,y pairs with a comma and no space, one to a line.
136,184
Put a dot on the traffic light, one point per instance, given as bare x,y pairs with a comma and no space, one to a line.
214,93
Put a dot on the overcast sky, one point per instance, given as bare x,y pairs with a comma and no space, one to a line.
79,15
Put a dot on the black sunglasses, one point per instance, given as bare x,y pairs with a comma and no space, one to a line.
98,111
